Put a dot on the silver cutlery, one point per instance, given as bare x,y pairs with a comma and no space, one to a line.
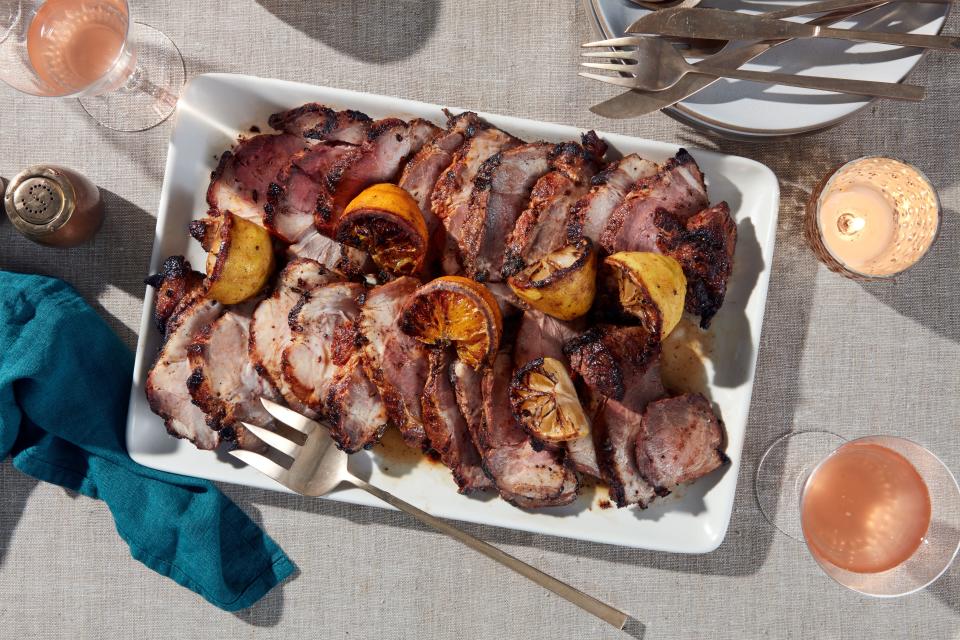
316,467
732,25
658,66
636,103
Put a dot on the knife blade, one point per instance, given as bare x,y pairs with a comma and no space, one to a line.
719,24
636,103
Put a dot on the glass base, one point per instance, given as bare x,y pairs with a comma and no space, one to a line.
150,94
782,472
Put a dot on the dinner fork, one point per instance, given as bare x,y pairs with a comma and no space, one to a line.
316,467
656,66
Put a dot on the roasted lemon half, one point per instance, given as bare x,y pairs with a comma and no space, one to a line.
652,287
562,283
545,402
458,311
386,222
240,258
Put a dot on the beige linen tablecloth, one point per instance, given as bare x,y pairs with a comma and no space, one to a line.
855,358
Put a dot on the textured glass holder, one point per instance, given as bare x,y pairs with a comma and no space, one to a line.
911,196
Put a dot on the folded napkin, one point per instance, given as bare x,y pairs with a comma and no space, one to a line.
64,386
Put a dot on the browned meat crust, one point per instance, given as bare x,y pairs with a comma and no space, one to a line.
446,427
682,440
315,121
616,429
175,281
621,363
542,227
704,247
501,190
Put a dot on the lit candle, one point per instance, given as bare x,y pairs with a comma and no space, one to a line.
873,218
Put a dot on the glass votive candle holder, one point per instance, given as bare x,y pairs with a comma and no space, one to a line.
872,218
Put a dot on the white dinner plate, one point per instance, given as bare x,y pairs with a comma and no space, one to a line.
747,110
215,108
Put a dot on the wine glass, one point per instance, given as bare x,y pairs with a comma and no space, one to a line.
127,75
880,514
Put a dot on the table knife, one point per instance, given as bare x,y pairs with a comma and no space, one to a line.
718,24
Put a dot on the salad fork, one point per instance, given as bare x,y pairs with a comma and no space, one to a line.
315,467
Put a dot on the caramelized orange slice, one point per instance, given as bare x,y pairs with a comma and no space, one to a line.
545,402
385,221
458,311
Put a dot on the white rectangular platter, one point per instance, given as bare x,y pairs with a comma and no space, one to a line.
215,108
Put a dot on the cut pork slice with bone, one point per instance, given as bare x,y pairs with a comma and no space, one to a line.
389,144
542,227
446,427
450,200
501,191
590,214
396,363
681,440
524,476
224,382
323,368
270,327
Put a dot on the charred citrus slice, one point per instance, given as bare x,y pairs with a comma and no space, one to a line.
652,287
458,311
240,258
545,402
385,221
562,283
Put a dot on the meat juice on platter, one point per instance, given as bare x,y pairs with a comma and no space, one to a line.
331,334
865,509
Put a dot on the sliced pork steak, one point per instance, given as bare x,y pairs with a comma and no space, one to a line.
224,382
681,440
339,258
450,200
270,327
446,427
542,227
315,121
395,362
616,431
166,385
390,143
175,281
501,191
589,215
678,189
524,476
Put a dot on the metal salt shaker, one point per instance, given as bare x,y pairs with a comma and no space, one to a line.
54,206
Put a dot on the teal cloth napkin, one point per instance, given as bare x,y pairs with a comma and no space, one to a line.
64,386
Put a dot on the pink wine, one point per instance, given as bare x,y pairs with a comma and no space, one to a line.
865,509
74,43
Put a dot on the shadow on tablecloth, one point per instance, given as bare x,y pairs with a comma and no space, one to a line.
402,27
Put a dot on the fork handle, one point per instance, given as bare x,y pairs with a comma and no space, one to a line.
588,603
890,90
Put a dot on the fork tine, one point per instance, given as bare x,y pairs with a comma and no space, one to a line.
617,80
606,66
621,55
289,417
612,42
264,465
275,440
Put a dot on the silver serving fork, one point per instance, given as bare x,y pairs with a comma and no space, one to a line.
317,467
